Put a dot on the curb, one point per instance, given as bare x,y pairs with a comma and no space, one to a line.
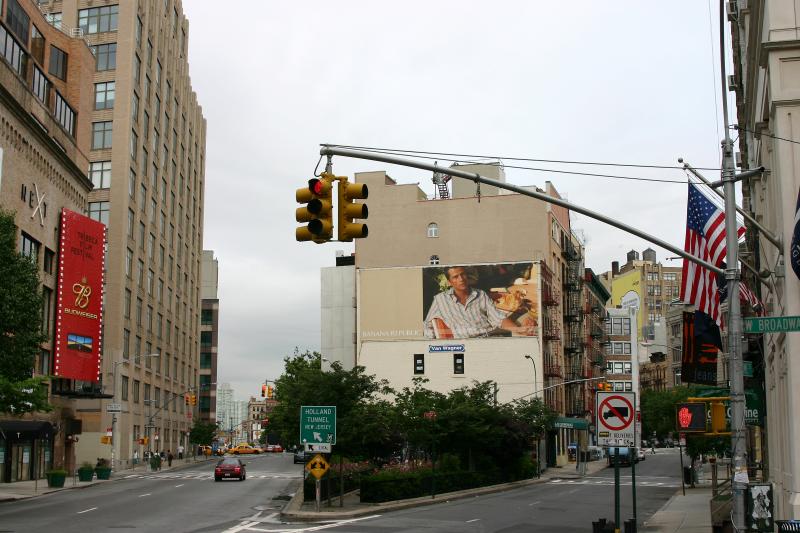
291,511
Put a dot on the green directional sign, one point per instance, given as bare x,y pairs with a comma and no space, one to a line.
318,424
771,324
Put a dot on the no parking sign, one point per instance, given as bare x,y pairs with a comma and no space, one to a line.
616,412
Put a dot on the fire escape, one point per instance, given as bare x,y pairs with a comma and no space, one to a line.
551,335
575,360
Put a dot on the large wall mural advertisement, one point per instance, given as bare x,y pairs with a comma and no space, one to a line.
79,309
480,301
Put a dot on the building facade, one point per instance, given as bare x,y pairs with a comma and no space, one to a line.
646,285
146,161
517,252
622,355
45,110
209,338
766,82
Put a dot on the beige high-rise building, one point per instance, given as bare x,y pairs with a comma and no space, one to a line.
146,160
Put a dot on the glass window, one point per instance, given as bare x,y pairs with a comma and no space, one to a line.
101,135
100,174
419,363
138,32
132,183
129,263
106,55
40,85
54,19
627,368
18,20
58,63
99,211
205,339
134,144
124,388
29,247
104,95
433,230
206,317
37,45
44,362
126,341
98,19
135,107
47,309
136,384
205,360
49,260
458,363
127,306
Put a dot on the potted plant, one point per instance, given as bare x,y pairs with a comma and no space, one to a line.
103,469
56,478
86,472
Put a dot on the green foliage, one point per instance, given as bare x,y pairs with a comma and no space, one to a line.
20,326
389,485
262,439
697,445
658,410
202,433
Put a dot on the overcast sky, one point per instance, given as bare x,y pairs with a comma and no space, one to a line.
619,82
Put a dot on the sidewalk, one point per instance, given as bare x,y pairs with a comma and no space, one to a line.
21,490
685,514
352,507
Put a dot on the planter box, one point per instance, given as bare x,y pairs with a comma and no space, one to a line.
56,480
103,473
85,474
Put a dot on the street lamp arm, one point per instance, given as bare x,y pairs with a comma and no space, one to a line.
560,385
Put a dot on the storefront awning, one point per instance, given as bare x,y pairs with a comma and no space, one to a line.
26,429
570,423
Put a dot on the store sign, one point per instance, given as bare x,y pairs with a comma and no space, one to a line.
446,348
79,307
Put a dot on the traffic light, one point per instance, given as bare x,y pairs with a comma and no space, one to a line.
718,422
263,391
270,392
349,210
318,211
193,399
691,417
187,399
604,386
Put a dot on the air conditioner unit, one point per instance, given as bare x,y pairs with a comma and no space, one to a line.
731,10
733,84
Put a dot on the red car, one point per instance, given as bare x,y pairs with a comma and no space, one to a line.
277,448
230,467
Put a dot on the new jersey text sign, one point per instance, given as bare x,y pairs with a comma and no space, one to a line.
318,424
616,412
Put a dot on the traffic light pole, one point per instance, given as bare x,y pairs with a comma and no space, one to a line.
332,150
736,372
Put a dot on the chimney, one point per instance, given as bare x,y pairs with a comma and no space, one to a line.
614,269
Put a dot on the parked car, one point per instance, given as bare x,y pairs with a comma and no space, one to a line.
300,456
640,455
277,448
243,449
230,467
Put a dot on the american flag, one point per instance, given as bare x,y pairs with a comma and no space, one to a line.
705,238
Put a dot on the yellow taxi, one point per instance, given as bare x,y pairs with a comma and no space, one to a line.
242,449
205,450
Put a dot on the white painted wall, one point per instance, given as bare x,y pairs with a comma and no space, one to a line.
338,325
499,359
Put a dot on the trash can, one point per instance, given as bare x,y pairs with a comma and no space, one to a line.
687,475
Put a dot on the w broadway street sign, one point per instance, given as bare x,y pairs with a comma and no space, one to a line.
318,424
771,324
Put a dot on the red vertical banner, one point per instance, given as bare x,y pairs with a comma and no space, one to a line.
79,307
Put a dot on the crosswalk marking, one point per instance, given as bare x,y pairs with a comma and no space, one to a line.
610,481
205,475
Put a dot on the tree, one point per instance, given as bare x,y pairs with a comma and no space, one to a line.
21,333
362,425
202,433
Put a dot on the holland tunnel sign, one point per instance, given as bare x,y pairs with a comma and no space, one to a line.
318,424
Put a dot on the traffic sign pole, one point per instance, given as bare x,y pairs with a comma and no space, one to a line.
616,489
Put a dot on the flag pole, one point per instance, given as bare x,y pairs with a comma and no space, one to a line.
735,373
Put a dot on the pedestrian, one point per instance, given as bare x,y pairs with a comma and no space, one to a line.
170,457
135,457
180,451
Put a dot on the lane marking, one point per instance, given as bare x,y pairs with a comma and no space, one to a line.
87,510
248,526
181,485
143,495
473,520
535,503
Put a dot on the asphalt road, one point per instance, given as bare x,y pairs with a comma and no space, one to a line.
187,500
190,501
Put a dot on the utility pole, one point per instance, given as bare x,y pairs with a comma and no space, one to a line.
736,373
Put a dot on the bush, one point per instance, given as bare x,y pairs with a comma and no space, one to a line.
393,485
449,462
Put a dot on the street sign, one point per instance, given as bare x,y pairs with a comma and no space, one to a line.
319,448
318,424
771,324
317,466
114,408
615,418
682,439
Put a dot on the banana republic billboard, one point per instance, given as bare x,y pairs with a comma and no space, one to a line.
79,307
450,302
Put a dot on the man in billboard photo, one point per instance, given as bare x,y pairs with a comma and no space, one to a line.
463,311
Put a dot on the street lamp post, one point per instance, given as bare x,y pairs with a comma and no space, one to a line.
535,382
535,374
114,439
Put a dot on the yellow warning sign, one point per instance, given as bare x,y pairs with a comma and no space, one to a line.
317,466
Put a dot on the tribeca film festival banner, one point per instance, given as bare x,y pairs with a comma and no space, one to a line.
452,302
79,308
